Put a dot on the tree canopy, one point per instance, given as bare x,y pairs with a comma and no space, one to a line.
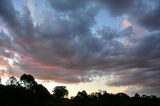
60,91
14,93
27,80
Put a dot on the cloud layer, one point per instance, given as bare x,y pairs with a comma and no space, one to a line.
60,42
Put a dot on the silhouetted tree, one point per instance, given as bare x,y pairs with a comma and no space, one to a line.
27,81
38,95
12,81
60,91
153,96
122,95
82,98
136,95
40,91
82,94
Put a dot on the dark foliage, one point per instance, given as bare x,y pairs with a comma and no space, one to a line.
60,92
27,81
14,93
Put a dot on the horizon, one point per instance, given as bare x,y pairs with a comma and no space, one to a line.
69,96
89,45
71,87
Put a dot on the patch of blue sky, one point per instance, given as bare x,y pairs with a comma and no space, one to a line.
105,19
18,4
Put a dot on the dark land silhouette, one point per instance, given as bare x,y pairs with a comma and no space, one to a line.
27,92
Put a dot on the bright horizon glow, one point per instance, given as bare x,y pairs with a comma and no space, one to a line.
73,89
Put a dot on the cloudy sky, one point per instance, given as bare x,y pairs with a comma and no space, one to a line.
111,45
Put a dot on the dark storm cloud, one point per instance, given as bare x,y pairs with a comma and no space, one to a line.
68,5
145,13
117,7
61,40
8,12
18,24
62,46
151,20
143,69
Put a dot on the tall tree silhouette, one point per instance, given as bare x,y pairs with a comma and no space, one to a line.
136,95
82,98
27,81
60,92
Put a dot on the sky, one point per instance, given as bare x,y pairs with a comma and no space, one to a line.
91,45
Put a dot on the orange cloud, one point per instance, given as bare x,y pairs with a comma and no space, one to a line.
126,23
37,63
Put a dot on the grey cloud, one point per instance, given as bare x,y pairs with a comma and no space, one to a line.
149,47
18,24
151,20
68,5
5,40
35,42
107,33
8,12
145,13
117,7
63,48
143,68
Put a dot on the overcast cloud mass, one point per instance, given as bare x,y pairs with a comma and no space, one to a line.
62,40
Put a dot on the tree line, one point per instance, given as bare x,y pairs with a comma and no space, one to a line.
27,92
